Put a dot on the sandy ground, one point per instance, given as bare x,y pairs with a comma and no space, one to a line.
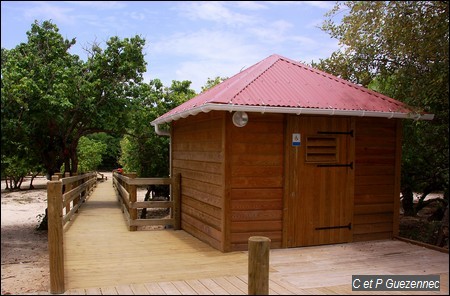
24,250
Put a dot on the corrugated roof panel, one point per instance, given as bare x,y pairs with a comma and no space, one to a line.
280,82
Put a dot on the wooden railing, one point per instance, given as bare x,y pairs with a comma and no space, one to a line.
66,193
126,186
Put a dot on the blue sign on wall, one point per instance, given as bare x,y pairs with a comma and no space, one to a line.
296,140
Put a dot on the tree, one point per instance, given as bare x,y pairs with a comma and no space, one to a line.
143,151
90,153
112,152
51,98
14,169
400,48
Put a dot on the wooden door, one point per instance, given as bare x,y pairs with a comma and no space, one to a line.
319,180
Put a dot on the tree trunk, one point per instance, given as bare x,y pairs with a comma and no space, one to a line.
74,159
14,182
408,202
420,204
43,225
67,168
147,198
20,182
31,181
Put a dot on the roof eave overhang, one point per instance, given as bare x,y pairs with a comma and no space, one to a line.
284,110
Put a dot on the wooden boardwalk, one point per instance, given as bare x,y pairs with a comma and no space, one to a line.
103,257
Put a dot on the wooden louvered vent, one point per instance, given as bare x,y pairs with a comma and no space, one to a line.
321,149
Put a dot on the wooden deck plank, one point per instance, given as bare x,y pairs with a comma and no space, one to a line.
139,289
154,289
228,286
198,287
109,291
238,283
93,291
101,252
281,289
75,292
184,288
137,251
214,287
124,290
169,288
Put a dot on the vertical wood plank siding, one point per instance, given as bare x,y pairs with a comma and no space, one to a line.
198,154
256,156
376,172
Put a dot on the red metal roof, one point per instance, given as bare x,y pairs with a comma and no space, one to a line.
278,84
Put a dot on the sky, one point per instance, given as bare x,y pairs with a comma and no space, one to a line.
184,40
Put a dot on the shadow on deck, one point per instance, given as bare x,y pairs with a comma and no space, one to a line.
103,257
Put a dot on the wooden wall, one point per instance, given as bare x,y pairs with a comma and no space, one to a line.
198,154
233,178
377,178
255,161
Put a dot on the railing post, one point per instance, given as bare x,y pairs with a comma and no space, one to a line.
83,194
258,265
67,188
176,195
133,198
94,184
55,235
76,200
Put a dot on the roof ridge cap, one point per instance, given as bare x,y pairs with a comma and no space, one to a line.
276,59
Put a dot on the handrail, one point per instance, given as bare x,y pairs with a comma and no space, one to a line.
68,193
126,187
73,179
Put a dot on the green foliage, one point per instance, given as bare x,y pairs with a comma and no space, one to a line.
210,83
14,169
90,153
50,98
112,153
400,49
143,151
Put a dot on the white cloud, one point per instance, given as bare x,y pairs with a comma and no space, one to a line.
321,4
139,16
80,13
251,5
100,5
66,14
317,4
273,32
199,71
206,53
205,44
214,11
197,40
304,41
314,50
47,11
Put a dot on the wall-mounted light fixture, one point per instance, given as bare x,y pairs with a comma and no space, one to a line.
240,118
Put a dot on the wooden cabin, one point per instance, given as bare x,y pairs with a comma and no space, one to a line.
286,151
